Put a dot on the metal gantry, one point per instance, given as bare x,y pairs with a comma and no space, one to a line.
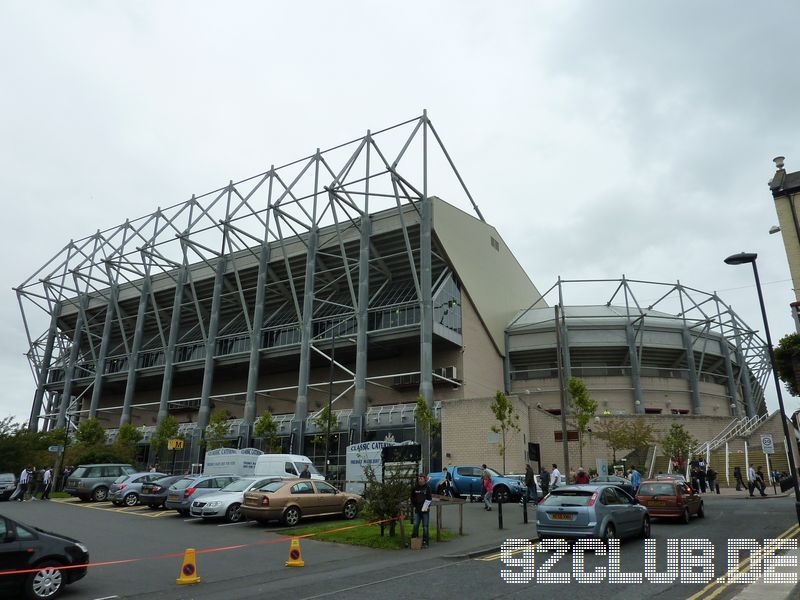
281,260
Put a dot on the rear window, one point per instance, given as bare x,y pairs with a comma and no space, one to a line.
568,498
120,479
273,486
7,477
656,489
182,484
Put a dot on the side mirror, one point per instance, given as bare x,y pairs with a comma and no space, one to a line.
10,536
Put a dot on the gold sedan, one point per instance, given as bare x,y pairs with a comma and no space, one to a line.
291,499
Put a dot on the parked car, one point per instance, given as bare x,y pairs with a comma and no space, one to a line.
293,499
227,502
127,488
670,498
8,483
92,482
285,466
676,476
467,482
599,510
620,482
25,547
154,494
186,490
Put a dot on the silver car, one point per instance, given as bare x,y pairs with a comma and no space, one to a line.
591,511
127,488
227,502
183,492
8,483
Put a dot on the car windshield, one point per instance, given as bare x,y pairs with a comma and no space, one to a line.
493,473
165,480
6,477
239,485
568,498
656,489
182,484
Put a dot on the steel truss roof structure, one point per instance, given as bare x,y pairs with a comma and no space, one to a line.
703,317
290,256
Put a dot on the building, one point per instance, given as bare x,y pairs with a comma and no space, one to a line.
785,188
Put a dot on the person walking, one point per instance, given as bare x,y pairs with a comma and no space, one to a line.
713,484
636,479
420,500
24,477
701,474
555,477
544,481
47,479
737,475
488,488
760,481
753,478
530,486
581,476
446,486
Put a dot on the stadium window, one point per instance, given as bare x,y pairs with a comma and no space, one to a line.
652,411
554,411
572,436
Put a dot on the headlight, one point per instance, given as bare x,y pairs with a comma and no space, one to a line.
214,504
82,547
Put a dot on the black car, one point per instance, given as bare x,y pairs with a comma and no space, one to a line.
154,494
621,482
25,547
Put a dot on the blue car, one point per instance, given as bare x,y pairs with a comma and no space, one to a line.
467,482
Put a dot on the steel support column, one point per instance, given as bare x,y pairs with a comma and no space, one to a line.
694,382
638,404
726,358
204,411
360,394
306,333
426,301
44,369
133,357
100,367
69,371
744,374
169,351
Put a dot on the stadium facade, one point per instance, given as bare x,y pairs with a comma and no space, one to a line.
340,278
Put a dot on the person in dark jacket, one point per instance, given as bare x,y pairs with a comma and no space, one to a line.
305,473
544,481
737,475
530,486
420,500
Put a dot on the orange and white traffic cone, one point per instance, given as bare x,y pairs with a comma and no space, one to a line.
295,558
188,569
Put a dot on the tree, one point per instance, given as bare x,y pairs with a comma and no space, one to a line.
625,434
425,417
787,358
382,499
20,447
217,429
678,443
91,433
583,410
325,418
127,438
507,420
166,430
266,427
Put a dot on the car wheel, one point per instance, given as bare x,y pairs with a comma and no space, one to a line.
501,494
701,511
350,509
292,516
234,513
685,517
645,528
131,499
100,494
609,533
48,582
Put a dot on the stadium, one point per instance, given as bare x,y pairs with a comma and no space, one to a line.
341,279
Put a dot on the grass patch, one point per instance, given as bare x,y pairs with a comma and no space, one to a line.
60,495
366,535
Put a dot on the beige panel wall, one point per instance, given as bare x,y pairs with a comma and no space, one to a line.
467,437
482,364
790,241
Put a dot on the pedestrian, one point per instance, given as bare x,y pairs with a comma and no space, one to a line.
581,476
34,477
754,482
636,479
488,488
47,479
555,477
446,486
737,475
24,477
696,478
530,486
544,481
701,474
713,484
761,482
305,473
421,500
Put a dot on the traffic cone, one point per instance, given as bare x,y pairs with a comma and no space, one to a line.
295,558
188,569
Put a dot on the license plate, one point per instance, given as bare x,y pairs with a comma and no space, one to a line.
656,503
562,516
171,497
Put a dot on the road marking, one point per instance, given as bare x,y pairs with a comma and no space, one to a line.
107,598
229,524
138,511
193,519
744,567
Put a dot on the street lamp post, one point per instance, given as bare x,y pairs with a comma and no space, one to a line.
750,257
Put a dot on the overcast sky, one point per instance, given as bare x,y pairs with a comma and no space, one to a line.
600,138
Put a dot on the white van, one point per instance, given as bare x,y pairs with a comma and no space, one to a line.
285,466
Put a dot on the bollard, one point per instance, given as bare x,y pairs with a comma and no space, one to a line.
499,514
525,511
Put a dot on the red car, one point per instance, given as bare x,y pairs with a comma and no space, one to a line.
670,498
